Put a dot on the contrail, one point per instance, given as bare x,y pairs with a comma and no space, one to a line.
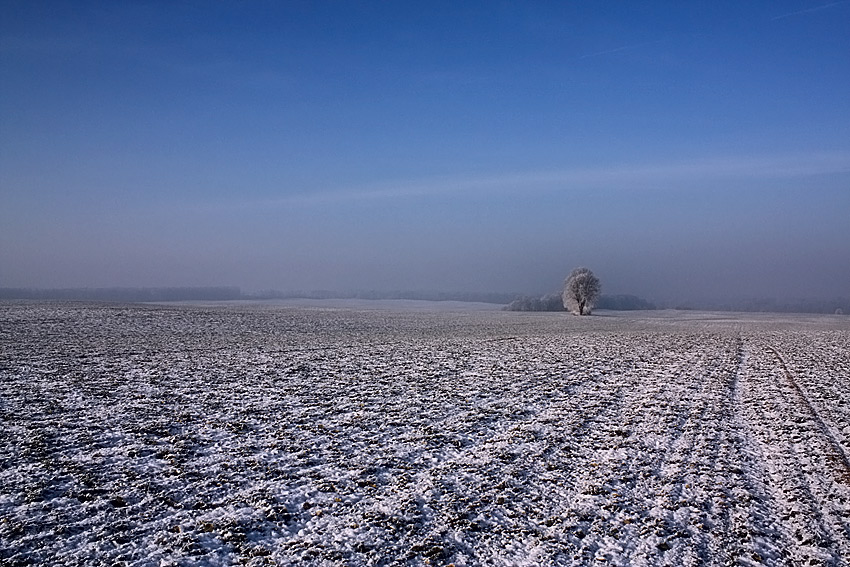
807,10
623,48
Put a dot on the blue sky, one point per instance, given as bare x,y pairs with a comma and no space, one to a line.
680,150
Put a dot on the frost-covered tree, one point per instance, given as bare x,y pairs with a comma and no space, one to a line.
581,290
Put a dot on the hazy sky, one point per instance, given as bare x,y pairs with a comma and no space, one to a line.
678,149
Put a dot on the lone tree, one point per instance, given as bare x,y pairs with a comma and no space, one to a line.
581,290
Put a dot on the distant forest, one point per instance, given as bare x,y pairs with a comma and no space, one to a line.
125,294
837,306
471,296
554,302
511,301
156,294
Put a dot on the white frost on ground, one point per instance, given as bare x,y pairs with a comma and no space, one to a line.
294,435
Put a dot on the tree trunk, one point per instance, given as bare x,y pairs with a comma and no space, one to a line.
581,307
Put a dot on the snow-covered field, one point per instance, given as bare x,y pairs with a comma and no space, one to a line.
280,434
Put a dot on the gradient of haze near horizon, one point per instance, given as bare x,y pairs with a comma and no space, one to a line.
680,150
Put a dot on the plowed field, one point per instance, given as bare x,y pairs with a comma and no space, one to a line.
280,435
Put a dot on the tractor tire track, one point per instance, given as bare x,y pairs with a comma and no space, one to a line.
836,453
795,460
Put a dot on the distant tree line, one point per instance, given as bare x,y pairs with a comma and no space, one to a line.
125,294
472,296
154,294
624,303
548,302
837,306
554,302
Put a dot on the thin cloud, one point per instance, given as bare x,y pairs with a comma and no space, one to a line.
809,10
753,168
622,48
